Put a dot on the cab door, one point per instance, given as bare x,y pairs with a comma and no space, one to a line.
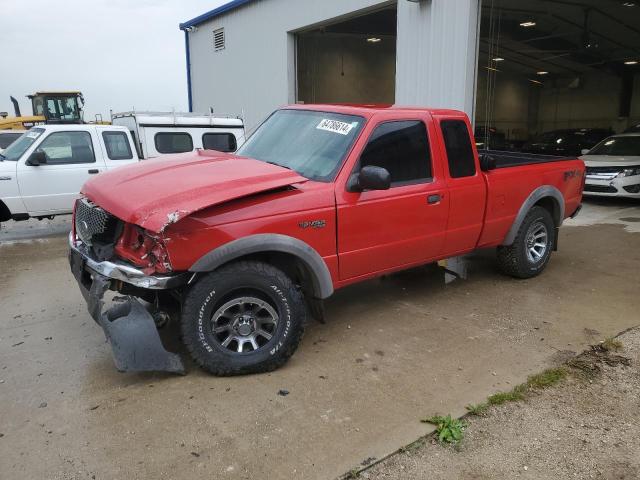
465,182
388,229
52,187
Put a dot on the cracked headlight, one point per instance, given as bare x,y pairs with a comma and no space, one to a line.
630,172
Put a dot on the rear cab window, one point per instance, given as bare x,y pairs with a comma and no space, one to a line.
222,142
117,145
173,142
457,142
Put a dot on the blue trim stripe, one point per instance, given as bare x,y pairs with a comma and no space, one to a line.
188,55
214,13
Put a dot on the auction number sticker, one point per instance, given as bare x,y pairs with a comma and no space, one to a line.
335,126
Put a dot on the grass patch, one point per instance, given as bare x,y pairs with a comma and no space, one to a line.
547,378
612,345
448,430
355,473
477,409
514,395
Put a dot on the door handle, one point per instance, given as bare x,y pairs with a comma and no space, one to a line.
433,199
93,171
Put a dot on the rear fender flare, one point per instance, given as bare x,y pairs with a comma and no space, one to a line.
264,243
545,191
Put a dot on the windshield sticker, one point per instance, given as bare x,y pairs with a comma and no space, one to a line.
34,134
335,126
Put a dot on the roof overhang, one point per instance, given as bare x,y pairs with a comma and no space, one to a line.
216,12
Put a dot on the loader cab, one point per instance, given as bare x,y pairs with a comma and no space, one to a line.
58,107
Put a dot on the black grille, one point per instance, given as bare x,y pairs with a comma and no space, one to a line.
91,221
604,170
600,189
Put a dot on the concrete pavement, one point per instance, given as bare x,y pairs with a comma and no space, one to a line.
393,351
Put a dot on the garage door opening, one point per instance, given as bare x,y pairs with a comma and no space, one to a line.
557,77
352,61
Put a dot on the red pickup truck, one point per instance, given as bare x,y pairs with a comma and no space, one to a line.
243,248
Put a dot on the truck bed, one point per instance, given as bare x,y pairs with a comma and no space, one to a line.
517,159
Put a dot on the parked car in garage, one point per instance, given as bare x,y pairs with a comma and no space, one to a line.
613,167
246,247
41,173
160,133
569,142
7,137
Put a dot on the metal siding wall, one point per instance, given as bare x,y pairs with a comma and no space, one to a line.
256,71
437,53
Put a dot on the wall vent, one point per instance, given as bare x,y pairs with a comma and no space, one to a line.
218,39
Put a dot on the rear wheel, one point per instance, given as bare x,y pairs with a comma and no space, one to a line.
530,252
247,317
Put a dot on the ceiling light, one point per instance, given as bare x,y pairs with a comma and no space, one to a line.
629,4
374,40
535,81
542,73
498,59
528,24
631,62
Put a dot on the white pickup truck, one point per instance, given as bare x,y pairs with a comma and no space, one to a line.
41,173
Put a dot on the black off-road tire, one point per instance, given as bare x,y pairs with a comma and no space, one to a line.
513,259
235,281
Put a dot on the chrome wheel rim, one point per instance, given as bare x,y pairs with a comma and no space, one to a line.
244,324
537,242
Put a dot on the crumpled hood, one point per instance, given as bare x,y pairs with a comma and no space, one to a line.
156,193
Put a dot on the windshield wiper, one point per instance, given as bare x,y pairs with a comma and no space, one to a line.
278,165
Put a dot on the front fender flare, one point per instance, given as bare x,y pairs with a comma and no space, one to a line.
268,242
538,194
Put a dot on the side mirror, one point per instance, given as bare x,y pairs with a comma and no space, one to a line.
487,162
37,158
584,151
370,178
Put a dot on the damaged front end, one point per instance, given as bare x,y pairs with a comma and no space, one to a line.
96,247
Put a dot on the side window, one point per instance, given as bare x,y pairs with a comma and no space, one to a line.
68,147
117,144
173,142
457,142
222,142
403,149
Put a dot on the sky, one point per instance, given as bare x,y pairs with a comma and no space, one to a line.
120,54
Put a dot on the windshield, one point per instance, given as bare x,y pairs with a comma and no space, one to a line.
17,148
623,146
314,144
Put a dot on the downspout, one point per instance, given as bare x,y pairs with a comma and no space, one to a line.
188,59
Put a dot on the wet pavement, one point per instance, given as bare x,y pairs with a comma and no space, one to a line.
393,351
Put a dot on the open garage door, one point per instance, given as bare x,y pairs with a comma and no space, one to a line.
351,61
557,76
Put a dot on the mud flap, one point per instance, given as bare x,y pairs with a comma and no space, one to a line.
131,331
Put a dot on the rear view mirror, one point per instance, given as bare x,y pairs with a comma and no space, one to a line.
37,158
487,162
370,178
584,151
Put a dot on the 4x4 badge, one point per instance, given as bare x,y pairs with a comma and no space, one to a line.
313,224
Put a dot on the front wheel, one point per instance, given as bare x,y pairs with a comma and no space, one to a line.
530,252
247,317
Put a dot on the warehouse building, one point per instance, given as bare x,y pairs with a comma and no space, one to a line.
517,67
